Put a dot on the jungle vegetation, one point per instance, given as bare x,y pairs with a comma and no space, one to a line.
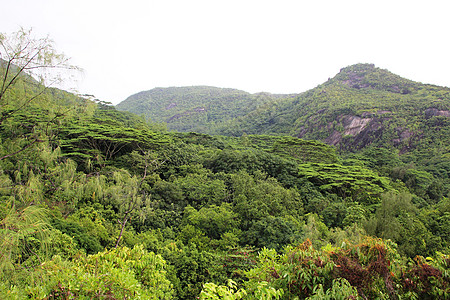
97,203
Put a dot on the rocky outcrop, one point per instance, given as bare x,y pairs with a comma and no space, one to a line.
353,125
433,112
361,129
171,105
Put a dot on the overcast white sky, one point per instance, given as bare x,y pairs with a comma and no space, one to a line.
277,46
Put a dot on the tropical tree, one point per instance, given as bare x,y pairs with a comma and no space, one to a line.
24,58
29,66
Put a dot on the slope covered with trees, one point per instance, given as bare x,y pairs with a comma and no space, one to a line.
196,108
361,106
96,203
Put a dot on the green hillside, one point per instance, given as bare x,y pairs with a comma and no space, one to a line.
196,108
361,106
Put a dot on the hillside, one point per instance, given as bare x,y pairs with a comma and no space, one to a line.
361,106
196,108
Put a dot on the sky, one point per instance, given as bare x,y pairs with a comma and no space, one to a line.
281,46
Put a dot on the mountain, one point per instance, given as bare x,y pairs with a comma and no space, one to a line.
195,108
361,106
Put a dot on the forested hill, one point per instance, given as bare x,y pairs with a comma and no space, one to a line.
362,105
195,108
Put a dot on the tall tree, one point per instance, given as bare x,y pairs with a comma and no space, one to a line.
130,194
27,58
28,67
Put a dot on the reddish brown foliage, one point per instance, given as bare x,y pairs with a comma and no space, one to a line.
319,262
305,245
352,270
60,292
349,267
419,278
274,274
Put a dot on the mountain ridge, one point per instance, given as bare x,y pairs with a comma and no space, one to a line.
194,108
361,106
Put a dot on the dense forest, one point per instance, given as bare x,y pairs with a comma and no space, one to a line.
195,108
98,203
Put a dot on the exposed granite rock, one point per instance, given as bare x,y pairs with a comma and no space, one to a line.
433,112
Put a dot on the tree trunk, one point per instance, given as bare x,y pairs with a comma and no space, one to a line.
125,220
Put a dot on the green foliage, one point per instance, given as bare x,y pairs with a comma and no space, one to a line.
264,292
120,273
190,269
257,197
214,220
396,219
197,108
358,183
380,159
94,224
200,189
297,273
101,140
79,234
273,232
211,291
305,151
23,237
230,292
315,230
370,269
340,290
